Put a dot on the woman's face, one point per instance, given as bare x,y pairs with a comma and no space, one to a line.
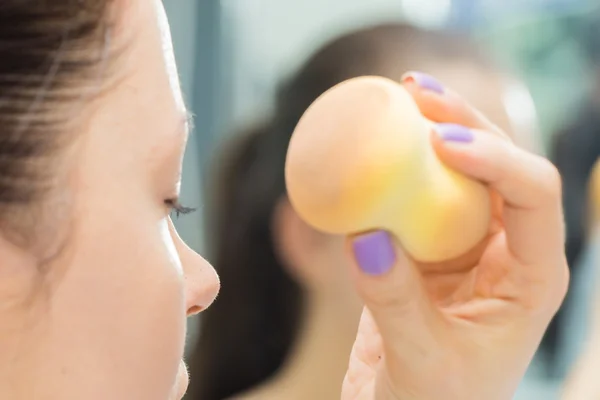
108,321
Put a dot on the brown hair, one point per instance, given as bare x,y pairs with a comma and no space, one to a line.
50,55
249,331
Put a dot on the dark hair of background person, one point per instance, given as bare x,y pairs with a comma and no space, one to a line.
248,332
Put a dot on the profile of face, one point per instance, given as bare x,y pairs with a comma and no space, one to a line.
106,317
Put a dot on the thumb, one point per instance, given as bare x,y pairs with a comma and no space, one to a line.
392,289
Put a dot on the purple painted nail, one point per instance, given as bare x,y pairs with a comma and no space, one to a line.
374,252
425,81
454,133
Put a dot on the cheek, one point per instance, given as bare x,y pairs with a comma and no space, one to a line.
121,308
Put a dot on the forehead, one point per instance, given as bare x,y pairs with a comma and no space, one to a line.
143,110
171,141
152,66
168,53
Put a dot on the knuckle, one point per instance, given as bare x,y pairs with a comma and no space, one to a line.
550,180
545,293
555,291
384,297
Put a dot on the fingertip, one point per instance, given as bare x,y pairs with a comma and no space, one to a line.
424,81
454,133
455,145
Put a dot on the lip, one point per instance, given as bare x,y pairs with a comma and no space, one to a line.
183,380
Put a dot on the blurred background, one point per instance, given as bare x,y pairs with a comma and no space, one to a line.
234,55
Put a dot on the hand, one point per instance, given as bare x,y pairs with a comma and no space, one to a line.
467,328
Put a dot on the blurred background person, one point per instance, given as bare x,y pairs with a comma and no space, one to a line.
285,287
575,151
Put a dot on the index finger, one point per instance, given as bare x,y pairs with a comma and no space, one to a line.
529,184
440,104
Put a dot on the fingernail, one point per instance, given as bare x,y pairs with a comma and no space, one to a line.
425,81
374,252
454,133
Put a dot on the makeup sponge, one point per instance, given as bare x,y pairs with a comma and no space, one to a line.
361,159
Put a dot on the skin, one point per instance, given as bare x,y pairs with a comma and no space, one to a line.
106,318
110,321
466,322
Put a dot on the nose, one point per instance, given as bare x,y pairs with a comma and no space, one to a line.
202,284
201,280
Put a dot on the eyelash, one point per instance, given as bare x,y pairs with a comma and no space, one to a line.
175,207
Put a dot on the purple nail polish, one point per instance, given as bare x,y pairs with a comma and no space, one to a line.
374,252
426,81
454,133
